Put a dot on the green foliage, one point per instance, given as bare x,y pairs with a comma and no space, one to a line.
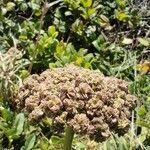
10,128
112,36
29,144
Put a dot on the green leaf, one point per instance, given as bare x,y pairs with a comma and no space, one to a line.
79,60
121,3
24,74
11,134
30,141
86,3
91,11
52,31
144,41
23,37
142,111
60,49
6,114
4,127
38,12
127,41
82,52
121,15
65,59
33,5
19,123
68,13
88,57
87,65
56,140
3,11
95,43
44,144
81,146
10,6
52,65
78,27
99,43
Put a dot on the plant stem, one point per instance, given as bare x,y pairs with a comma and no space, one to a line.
69,133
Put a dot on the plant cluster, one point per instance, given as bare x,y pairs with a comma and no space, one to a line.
85,100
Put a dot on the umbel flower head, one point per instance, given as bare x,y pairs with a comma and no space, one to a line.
83,99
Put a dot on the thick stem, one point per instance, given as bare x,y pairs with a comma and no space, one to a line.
69,133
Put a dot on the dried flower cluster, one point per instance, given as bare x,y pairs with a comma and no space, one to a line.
84,99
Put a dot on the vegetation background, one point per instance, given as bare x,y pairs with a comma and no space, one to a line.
110,35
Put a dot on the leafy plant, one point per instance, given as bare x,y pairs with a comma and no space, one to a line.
112,36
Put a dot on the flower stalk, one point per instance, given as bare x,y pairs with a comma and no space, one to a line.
69,133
